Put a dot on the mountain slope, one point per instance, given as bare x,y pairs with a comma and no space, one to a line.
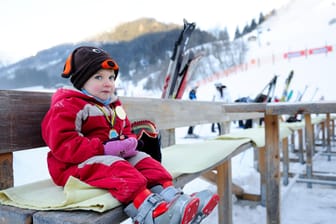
299,28
133,29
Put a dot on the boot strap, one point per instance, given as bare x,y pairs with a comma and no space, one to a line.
147,206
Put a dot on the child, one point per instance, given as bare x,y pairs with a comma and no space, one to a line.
221,95
192,96
90,138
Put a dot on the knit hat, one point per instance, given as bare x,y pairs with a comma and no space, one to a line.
220,85
84,62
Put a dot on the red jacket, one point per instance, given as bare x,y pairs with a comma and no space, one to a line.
75,128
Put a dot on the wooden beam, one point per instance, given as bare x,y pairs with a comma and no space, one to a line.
309,139
301,107
224,189
262,171
285,167
6,170
211,176
272,169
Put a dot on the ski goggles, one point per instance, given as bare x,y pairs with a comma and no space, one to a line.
145,127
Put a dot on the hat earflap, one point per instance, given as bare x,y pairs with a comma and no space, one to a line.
68,67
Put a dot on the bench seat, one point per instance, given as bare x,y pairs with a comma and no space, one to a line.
184,161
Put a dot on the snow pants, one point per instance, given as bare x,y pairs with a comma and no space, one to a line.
124,179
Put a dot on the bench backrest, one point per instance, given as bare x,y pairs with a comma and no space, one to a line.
21,114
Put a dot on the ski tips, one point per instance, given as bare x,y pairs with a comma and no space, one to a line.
186,23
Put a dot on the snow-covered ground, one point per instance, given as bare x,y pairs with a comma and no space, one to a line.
304,24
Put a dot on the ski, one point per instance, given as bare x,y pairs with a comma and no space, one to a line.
270,87
301,94
287,83
289,96
266,95
185,75
176,60
294,118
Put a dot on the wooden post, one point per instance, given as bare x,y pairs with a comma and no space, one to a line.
167,137
272,169
328,136
309,147
224,184
285,159
333,129
293,141
225,127
323,125
6,170
300,138
262,171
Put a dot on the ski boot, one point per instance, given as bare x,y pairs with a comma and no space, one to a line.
151,208
208,201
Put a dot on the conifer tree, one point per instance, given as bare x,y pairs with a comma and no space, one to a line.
224,35
253,25
261,18
237,33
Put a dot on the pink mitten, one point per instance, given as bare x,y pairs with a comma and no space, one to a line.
123,148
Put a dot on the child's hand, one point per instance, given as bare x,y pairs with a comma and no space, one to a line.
123,148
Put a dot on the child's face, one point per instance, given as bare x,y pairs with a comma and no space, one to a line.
101,84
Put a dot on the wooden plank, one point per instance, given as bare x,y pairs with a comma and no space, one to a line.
244,107
250,197
168,113
272,169
301,107
243,116
6,170
21,114
78,217
9,214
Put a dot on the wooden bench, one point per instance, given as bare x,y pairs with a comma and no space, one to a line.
21,115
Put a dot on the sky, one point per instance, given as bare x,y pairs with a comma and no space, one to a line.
28,26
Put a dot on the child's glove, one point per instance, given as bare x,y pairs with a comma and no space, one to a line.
123,148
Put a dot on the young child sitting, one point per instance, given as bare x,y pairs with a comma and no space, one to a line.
90,138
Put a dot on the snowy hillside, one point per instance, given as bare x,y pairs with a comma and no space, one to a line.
305,30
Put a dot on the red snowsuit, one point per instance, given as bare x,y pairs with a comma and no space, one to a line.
75,128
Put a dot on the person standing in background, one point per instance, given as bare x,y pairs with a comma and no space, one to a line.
221,95
192,96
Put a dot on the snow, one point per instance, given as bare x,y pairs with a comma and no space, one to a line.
303,24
